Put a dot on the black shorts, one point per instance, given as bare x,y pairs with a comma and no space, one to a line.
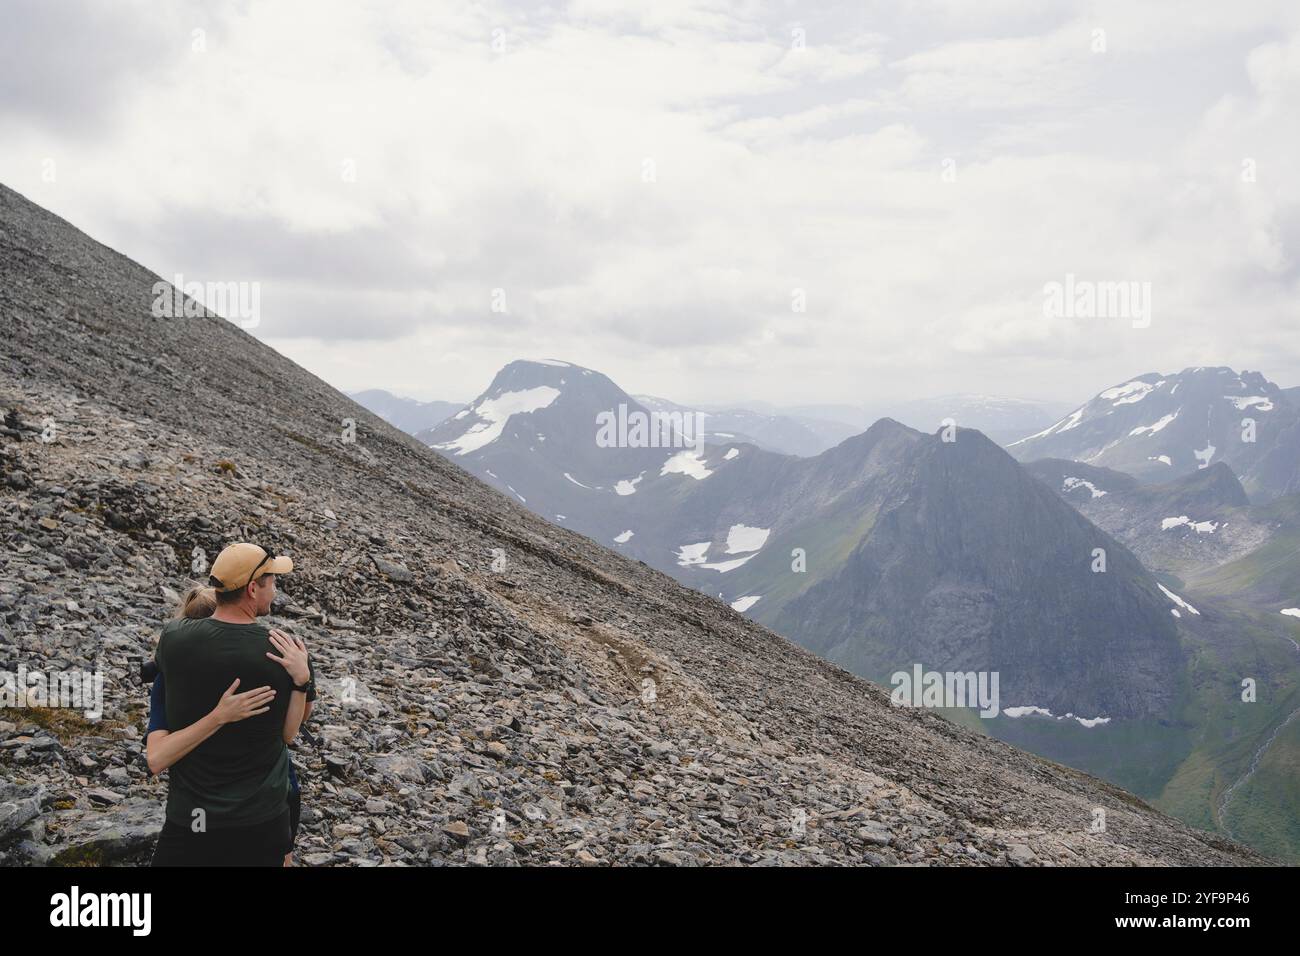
263,844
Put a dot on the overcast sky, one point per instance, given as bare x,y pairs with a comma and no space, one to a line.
650,187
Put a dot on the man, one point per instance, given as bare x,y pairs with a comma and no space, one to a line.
227,797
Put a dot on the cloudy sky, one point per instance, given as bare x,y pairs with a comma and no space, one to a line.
656,192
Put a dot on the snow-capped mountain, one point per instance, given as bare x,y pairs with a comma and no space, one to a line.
547,433
895,546
1158,427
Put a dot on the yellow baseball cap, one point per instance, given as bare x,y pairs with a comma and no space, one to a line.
239,565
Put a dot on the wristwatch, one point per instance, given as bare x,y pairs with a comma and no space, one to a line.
307,687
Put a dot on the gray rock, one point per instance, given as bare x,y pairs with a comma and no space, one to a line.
392,569
1020,854
124,833
19,805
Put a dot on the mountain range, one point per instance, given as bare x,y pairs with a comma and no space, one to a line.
898,547
1157,427
804,431
477,665
913,548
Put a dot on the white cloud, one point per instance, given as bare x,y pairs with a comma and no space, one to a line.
774,170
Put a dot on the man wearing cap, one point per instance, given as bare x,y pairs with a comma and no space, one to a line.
227,798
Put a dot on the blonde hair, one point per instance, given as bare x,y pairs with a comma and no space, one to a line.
198,602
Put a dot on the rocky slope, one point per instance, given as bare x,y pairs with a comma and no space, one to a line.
485,674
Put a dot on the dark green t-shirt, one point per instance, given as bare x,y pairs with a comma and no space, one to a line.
240,775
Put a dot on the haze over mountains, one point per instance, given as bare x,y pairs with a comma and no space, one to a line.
473,658
409,415
1001,419
779,431
804,431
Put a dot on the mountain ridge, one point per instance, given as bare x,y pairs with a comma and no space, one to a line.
473,690
1103,664
1147,428
728,523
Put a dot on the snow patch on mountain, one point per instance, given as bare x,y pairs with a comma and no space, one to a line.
722,567
496,412
1030,710
628,486
743,604
1072,421
1177,600
741,538
1130,392
686,463
1090,721
1152,429
625,537
689,554
1072,483
1026,711
1064,425
731,453
1200,527
1258,402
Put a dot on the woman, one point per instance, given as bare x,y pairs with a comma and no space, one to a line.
164,748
